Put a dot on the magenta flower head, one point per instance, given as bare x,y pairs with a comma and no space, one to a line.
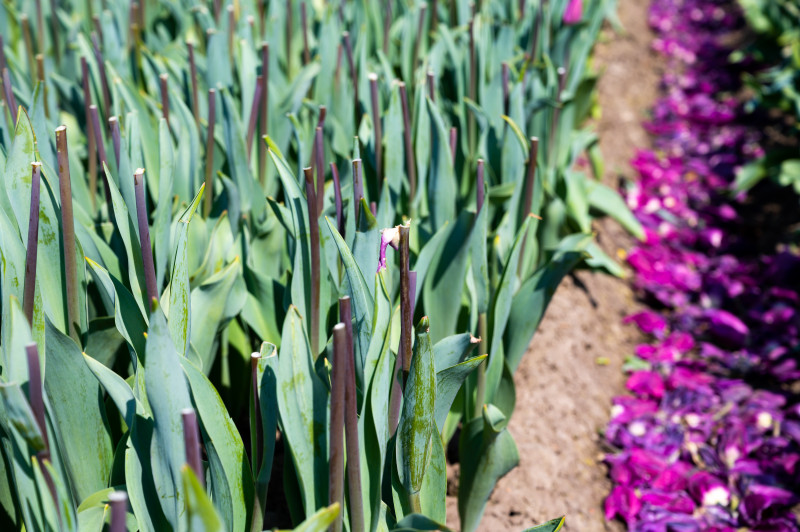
389,237
574,12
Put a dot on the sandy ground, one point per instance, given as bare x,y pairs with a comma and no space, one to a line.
564,388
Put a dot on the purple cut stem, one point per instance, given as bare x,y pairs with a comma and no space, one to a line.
33,242
68,231
28,41
163,80
387,24
530,177
98,28
304,22
119,507
217,10
255,444
90,135
336,473
101,150
40,26
11,101
116,139
351,422
35,395
337,192
212,118
431,86
423,7
358,188
411,165
313,227
262,147
338,64
406,313
144,236
479,186
505,75
55,31
42,78
373,208
376,123
191,442
473,79
254,109
289,26
231,32
353,75
193,76
453,140
101,68
319,155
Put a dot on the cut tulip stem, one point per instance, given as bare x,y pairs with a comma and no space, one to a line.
144,236
255,415
319,155
313,227
116,139
505,76
119,507
530,178
336,466
68,233
11,101
353,75
164,85
431,86
387,25
254,110
337,192
262,147
191,443
212,118
90,135
101,152
423,7
41,75
193,77
351,422
33,245
453,144
411,165
304,23
358,189
28,42
406,313
376,125
35,392
473,79
101,69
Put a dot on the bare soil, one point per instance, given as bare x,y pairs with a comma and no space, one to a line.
573,366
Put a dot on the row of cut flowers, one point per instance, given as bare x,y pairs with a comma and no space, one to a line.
709,436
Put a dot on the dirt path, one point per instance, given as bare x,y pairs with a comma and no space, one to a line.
564,389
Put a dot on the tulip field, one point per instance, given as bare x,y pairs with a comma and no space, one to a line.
276,264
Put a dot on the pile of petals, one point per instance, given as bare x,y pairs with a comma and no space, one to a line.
709,437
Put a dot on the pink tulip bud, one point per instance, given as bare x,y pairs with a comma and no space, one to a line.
574,12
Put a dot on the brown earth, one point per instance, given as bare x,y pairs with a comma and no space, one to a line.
573,366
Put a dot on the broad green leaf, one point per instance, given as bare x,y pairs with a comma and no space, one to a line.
553,525
417,522
417,421
448,382
442,191
78,414
608,201
168,395
116,387
320,521
303,407
179,290
495,454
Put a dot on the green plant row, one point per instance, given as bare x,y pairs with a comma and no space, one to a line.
318,231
